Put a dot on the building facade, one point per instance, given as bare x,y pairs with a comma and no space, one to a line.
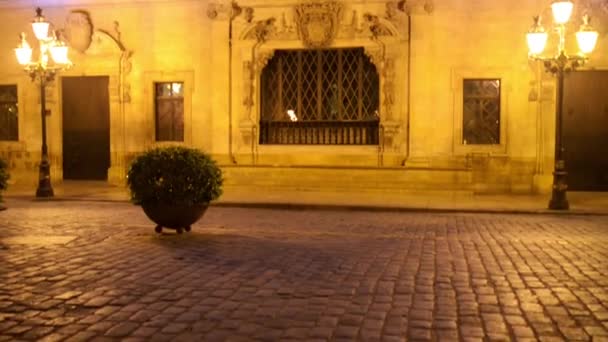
374,95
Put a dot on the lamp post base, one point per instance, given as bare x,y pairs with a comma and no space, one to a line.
44,190
44,180
559,201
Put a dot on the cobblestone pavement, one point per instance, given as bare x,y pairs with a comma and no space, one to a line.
96,271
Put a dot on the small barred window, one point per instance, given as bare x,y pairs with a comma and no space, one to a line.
481,112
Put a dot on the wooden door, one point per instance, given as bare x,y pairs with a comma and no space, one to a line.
86,127
585,130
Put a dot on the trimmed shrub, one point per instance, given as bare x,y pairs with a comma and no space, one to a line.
174,175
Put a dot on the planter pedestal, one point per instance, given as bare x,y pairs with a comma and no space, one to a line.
178,217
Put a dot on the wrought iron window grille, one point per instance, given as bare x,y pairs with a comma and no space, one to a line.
320,97
481,111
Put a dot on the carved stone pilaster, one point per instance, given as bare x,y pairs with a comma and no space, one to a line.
388,87
248,132
114,88
248,75
390,129
318,22
125,69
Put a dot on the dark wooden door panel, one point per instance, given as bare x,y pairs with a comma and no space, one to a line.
585,129
86,127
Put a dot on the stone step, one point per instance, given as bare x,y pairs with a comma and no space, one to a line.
341,178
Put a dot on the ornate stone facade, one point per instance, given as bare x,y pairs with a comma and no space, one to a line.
421,49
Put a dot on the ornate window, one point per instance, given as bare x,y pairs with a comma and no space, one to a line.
328,96
9,113
481,112
169,111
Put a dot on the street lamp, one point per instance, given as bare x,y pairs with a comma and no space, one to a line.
558,65
43,71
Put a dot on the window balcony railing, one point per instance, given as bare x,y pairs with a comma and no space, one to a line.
319,132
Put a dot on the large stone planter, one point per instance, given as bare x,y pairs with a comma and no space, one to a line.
178,217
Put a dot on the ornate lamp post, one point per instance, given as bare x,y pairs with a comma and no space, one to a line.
43,71
559,64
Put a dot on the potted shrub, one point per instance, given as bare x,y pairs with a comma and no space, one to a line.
4,176
174,185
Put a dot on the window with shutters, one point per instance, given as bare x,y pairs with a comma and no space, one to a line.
320,97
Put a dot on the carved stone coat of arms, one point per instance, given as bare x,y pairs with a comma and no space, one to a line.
317,22
78,30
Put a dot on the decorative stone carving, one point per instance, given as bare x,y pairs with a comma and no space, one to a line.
375,56
396,14
285,30
248,14
222,11
262,30
261,59
375,26
318,22
78,30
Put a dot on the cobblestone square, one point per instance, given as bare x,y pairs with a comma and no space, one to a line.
79,271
